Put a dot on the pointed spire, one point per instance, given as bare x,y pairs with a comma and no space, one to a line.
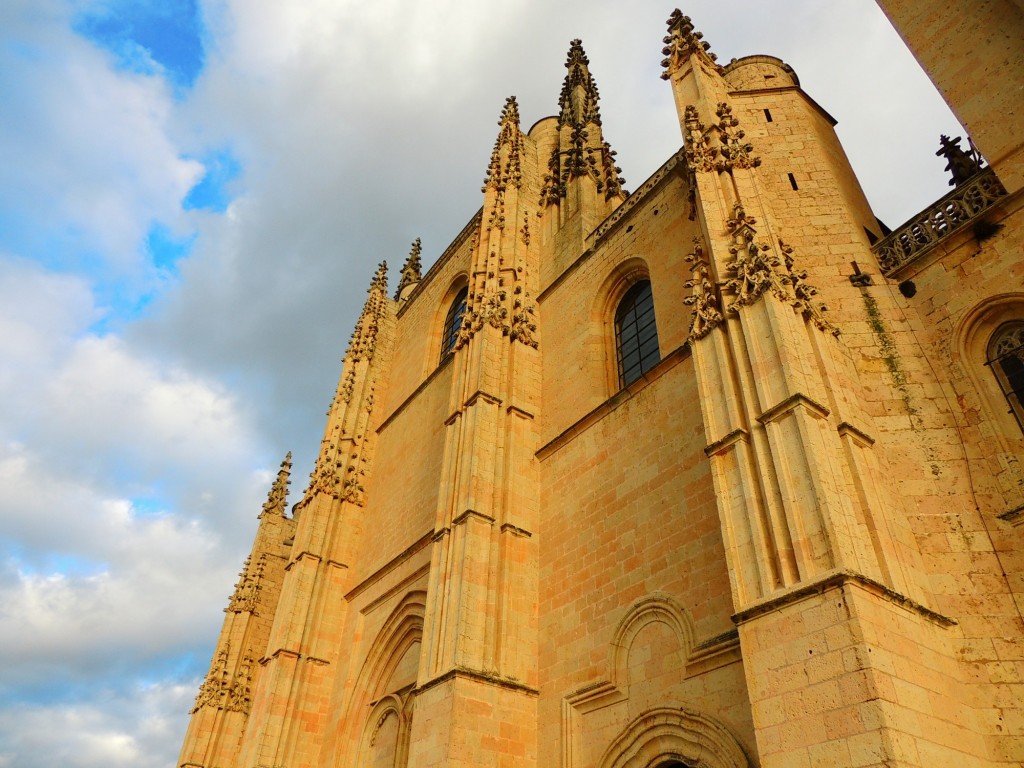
277,498
364,337
681,42
582,150
509,113
579,97
505,167
380,279
412,271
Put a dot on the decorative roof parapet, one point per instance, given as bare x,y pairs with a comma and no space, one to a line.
682,42
277,498
412,271
964,205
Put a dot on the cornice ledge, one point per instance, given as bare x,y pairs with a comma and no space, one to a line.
488,678
471,513
735,436
791,403
838,579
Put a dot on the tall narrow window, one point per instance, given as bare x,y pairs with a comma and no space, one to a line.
453,322
636,335
1006,357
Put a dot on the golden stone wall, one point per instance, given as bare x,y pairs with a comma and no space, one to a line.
793,542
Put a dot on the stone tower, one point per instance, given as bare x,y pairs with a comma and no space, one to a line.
720,473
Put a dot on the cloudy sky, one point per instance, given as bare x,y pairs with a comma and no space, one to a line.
193,196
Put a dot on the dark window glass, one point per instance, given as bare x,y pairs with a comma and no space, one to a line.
1006,356
636,335
452,323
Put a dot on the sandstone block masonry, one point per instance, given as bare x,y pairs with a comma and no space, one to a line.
717,474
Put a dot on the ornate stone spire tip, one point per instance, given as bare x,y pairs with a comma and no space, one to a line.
278,494
682,41
510,112
380,278
412,271
577,56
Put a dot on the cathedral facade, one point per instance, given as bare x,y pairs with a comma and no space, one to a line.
721,473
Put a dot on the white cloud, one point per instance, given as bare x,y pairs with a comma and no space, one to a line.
90,164
139,727
359,126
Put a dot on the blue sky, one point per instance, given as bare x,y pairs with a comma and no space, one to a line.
193,199
149,38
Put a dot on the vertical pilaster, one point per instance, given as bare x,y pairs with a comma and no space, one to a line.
475,704
302,655
223,705
806,523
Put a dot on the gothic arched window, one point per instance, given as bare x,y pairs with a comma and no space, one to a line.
1006,358
453,322
636,335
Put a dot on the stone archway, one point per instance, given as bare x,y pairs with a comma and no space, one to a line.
670,736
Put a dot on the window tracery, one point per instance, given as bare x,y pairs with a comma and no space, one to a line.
636,334
453,322
1006,358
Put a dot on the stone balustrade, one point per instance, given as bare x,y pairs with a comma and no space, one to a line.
951,213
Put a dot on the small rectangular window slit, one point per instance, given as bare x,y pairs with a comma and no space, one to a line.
768,115
792,181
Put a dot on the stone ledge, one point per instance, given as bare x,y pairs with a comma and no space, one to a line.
584,423
487,678
1013,516
836,579
389,566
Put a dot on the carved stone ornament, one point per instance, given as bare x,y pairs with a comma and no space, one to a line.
700,155
682,42
704,300
757,269
804,293
347,386
215,685
505,167
353,492
238,697
961,165
324,479
220,691
735,152
524,325
245,598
